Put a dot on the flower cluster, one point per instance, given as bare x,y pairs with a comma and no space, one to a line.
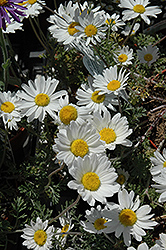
93,130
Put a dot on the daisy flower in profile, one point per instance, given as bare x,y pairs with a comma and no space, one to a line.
10,9
9,109
162,241
144,246
114,21
127,29
138,8
128,218
148,54
66,226
77,141
96,221
33,7
113,131
158,162
89,98
111,81
161,187
122,177
123,56
91,27
39,98
94,179
38,235
68,112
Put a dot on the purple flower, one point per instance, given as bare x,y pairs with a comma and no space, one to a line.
8,9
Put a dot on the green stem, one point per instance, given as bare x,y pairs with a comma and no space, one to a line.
42,43
5,56
55,4
129,32
101,57
4,150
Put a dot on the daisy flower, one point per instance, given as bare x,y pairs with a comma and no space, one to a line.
111,81
89,98
161,187
162,241
128,218
77,141
33,7
138,8
13,26
114,21
144,246
94,179
66,226
122,177
68,112
158,162
38,235
127,29
64,29
148,54
96,221
123,56
9,109
39,98
66,9
90,7
91,27
112,131
9,9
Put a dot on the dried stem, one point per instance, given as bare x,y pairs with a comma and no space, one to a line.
51,174
65,210
150,128
159,41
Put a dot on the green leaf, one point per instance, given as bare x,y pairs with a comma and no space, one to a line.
6,64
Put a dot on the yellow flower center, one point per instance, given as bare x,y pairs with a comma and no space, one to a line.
42,99
127,217
113,85
7,107
99,223
65,229
79,147
40,237
122,58
71,29
97,98
139,8
121,179
90,30
32,1
148,57
108,135
91,181
3,2
67,114
164,164
110,21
